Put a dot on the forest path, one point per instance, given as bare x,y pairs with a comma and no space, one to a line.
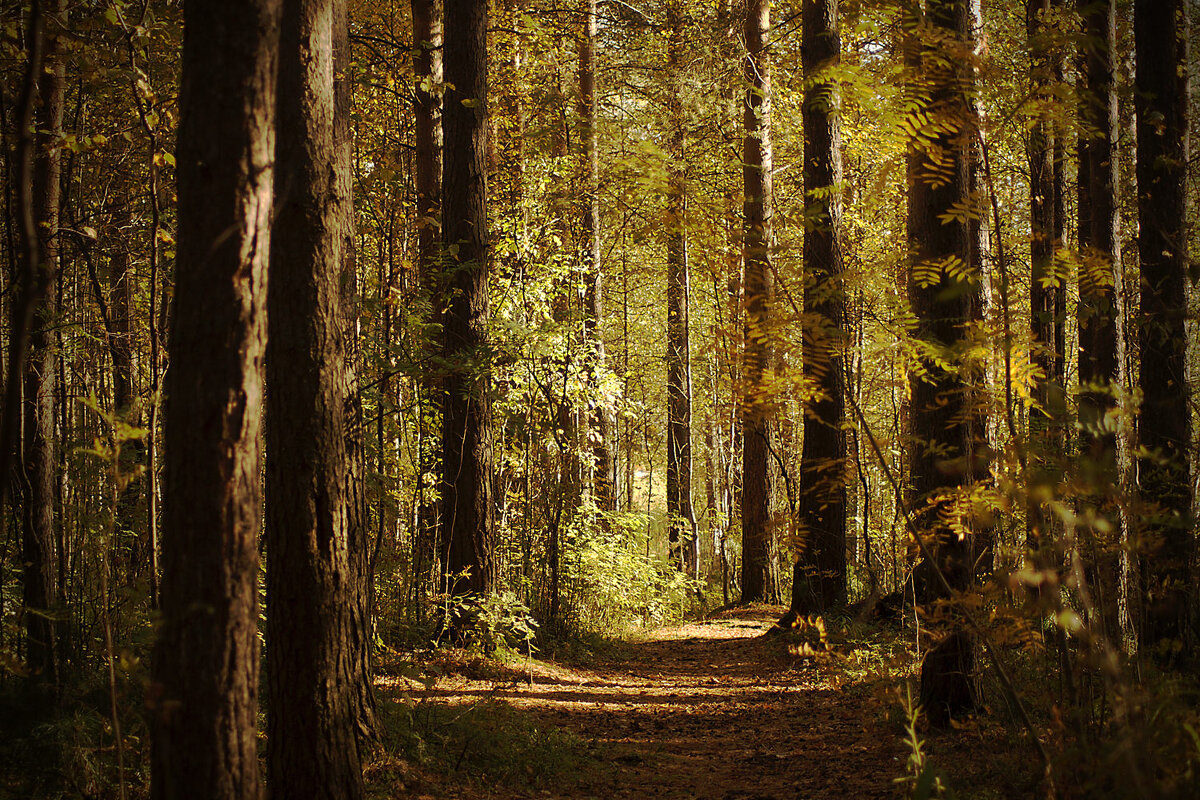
707,709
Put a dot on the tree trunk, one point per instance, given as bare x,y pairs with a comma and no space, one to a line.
1097,310
427,179
819,580
468,512
1160,29
757,406
944,287
38,522
684,544
1045,295
206,662
603,476
313,524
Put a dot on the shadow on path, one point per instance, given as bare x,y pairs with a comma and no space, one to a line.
709,710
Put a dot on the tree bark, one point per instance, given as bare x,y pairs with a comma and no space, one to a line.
38,521
683,541
604,481
468,510
427,179
1098,225
944,288
819,580
206,662
759,352
1164,425
313,525
1097,314
1046,296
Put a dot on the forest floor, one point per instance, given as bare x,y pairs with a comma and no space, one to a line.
706,709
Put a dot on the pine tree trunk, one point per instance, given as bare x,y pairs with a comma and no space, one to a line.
1098,317
427,180
684,544
759,353
313,533
1163,422
944,287
468,513
39,551
603,476
819,580
206,662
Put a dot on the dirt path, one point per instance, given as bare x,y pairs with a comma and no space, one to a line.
708,710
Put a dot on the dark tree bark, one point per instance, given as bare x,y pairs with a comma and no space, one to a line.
427,179
759,286
468,518
1098,317
119,334
1046,293
944,288
684,544
819,580
604,481
1098,239
314,532
1160,29
38,521
204,695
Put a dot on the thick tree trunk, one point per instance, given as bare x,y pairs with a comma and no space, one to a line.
1160,29
819,580
313,527
684,544
38,522
468,518
759,354
604,475
206,662
944,287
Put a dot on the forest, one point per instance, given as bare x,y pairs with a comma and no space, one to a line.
599,398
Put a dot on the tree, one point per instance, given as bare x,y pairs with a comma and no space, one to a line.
944,289
314,532
38,520
204,695
759,288
819,580
1164,425
604,468
1047,293
427,179
468,519
685,547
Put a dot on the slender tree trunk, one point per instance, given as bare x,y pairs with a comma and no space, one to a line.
819,580
468,518
119,333
1098,318
603,476
1045,289
427,178
1164,425
313,524
757,407
206,662
944,288
39,552
684,544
